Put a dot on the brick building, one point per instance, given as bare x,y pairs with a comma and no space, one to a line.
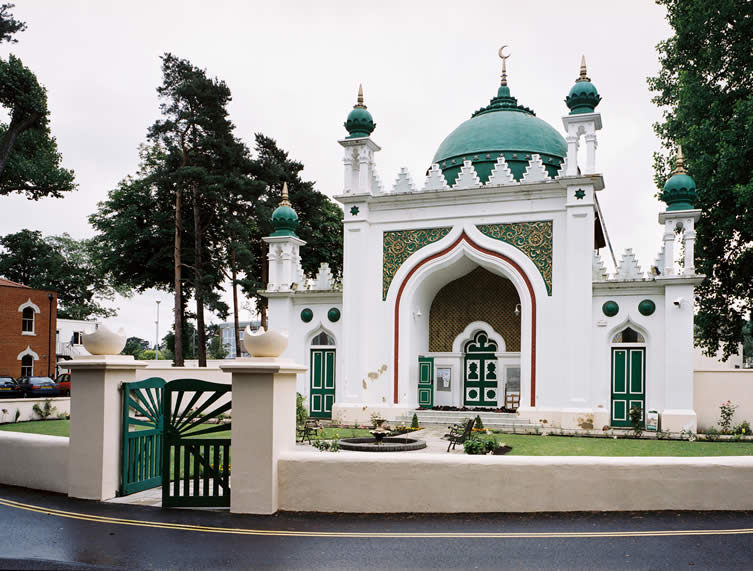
28,320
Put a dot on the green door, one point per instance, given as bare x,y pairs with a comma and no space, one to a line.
628,383
322,390
426,382
480,371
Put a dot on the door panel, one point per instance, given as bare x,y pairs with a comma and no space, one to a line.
426,382
628,383
322,384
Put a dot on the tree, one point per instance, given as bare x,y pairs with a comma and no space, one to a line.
216,349
135,346
29,157
57,263
706,87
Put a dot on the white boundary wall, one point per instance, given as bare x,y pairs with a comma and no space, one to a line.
434,483
713,387
26,408
35,461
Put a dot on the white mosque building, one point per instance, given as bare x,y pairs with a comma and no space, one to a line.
483,286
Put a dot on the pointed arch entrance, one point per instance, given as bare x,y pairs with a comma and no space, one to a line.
462,254
628,378
322,375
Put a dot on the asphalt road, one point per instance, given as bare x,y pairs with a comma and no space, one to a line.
47,531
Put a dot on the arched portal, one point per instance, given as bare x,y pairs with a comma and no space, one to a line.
420,283
628,375
322,362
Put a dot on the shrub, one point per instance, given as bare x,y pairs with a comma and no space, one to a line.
726,412
414,421
743,428
300,411
636,421
474,446
478,424
45,411
712,434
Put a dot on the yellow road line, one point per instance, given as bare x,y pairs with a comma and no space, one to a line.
362,535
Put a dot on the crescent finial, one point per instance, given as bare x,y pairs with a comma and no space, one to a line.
503,57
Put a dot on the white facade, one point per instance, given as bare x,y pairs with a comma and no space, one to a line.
68,337
533,237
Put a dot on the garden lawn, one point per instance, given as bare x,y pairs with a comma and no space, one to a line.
330,433
525,445
50,427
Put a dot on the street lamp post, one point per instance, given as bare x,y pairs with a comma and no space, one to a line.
156,339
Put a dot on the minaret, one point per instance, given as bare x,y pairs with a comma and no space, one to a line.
285,272
582,120
360,171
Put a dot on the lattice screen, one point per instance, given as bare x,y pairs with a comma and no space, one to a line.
478,296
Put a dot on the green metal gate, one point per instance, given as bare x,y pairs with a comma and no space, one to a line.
426,382
197,470
480,371
142,436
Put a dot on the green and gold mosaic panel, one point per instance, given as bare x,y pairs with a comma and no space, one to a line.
534,239
398,246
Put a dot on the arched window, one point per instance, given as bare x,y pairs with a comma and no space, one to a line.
628,335
27,320
323,339
27,366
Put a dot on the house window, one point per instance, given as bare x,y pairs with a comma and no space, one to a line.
323,339
628,335
27,366
78,337
27,320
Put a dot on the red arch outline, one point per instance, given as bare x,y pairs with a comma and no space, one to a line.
464,237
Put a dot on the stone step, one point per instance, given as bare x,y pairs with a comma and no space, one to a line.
501,420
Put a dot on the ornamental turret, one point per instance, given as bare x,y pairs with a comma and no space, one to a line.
284,256
360,168
359,122
679,191
583,97
284,218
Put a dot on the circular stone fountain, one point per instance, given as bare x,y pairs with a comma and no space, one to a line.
380,441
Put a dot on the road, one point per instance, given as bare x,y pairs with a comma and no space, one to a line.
46,531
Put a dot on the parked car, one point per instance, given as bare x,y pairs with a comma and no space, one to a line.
9,388
63,381
38,387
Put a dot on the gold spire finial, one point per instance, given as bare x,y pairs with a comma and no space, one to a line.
583,76
503,57
679,162
285,201
359,102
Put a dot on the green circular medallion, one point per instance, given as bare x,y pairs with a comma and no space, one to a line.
646,307
333,315
307,315
610,308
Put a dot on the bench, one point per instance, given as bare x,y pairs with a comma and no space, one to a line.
310,427
459,433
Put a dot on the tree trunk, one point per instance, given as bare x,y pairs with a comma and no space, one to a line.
16,127
178,348
236,324
198,286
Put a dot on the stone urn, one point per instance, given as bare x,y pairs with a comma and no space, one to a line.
104,342
262,343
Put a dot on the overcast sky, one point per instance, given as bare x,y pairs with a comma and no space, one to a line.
294,70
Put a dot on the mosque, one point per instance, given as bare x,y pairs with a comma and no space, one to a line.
484,287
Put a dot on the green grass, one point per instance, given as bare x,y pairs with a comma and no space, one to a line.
524,445
331,433
51,427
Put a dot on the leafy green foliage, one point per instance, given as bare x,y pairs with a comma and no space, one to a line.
61,264
216,349
414,421
301,414
9,25
478,424
636,420
135,346
29,157
705,86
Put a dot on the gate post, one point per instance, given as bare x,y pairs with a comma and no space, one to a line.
94,454
263,426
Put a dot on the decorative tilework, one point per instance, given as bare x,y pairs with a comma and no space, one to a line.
398,246
534,239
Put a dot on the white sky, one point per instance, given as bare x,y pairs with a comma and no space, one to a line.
294,69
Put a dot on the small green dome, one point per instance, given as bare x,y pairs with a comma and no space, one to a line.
502,128
284,218
583,97
679,191
359,122
610,308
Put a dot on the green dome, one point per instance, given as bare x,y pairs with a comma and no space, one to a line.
501,128
583,98
359,122
284,218
679,191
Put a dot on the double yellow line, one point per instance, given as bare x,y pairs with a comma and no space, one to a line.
362,535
